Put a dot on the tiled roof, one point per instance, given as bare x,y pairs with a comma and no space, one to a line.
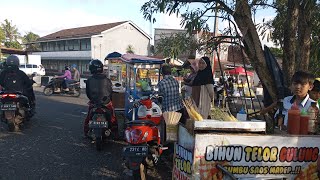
6,50
80,32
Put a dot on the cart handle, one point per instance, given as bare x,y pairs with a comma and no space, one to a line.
221,168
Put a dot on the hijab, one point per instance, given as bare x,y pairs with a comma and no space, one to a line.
204,76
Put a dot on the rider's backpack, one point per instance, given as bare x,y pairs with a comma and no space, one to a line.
13,82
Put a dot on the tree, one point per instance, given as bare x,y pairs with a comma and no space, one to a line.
11,34
295,29
28,39
240,15
130,49
175,45
2,36
152,50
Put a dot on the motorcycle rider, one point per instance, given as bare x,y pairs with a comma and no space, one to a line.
64,79
13,79
99,90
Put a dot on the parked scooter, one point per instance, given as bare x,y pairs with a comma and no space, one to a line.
143,136
55,87
15,109
100,125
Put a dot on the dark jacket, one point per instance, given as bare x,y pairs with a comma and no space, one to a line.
99,88
22,83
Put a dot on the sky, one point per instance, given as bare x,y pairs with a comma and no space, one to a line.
44,17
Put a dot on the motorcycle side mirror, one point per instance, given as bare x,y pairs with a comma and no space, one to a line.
130,98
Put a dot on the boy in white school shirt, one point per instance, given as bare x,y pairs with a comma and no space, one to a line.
302,83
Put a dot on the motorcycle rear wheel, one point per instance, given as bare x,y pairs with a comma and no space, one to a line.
77,93
47,91
99,144
141,173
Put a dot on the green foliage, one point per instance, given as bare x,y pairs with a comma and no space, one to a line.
13,44
174,71
176,44
273,29
11,35
130,49
10,31
184,72
2,36
277,52
28,39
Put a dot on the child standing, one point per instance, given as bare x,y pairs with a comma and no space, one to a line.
315,92
302,83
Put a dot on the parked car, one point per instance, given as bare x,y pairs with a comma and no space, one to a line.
29,69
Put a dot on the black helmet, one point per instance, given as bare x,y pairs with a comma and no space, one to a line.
66,68
12,61
95,66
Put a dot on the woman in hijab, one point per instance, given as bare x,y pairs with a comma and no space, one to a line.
202,87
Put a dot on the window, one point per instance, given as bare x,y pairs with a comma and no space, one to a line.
29,65
21,66
34,66
85,44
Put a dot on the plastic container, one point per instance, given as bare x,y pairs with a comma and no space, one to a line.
313,112
304,122
241,115
294,120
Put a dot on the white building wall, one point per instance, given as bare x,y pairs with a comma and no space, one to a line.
118,39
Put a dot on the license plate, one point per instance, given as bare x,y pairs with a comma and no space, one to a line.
8,107
98,124
135,151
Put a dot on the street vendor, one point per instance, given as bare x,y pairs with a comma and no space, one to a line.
169,89
302,83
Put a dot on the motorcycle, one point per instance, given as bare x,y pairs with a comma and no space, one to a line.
100,125
143,136
15,109
54,87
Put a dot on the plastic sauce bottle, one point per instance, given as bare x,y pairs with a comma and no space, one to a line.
304,122
313,112
294,119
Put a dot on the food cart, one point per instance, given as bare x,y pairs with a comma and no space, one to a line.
138,68
244,150
116,71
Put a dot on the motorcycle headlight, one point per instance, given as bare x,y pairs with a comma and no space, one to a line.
127,134
135,135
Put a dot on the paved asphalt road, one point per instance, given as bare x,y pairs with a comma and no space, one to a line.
52,146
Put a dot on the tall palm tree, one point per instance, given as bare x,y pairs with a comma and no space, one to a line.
10,31
130,49
11,34
2,36
29,40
